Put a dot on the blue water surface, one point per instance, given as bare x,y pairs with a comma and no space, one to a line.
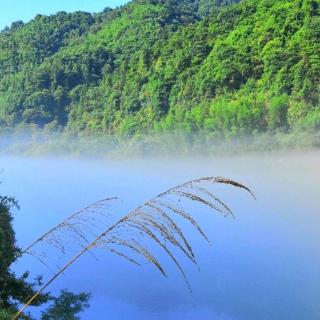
263,265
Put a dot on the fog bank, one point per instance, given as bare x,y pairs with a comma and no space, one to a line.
171,145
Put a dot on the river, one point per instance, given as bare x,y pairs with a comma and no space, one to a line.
262,265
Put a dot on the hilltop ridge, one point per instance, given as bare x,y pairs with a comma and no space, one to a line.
163,65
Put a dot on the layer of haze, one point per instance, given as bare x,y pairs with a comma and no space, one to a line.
263,265
27,10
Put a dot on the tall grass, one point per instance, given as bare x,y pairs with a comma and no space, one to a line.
74,229
154,220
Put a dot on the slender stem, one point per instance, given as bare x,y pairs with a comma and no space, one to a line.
125,218
66,266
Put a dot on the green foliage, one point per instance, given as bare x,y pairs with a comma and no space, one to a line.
5,315
15,290
206,7
66,306
158,65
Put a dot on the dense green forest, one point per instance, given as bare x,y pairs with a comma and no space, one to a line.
218,67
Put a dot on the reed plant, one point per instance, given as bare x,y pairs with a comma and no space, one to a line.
128,237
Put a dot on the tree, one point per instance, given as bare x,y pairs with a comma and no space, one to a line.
15,290
102,73
66,306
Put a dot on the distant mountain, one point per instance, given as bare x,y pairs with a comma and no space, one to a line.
158,65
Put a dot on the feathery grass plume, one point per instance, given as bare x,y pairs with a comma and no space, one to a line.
79,228
153,220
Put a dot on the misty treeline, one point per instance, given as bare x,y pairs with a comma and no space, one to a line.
99,226
165,65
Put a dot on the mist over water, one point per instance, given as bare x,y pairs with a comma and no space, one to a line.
157,145
263,265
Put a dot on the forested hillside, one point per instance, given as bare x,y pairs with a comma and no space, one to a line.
163,65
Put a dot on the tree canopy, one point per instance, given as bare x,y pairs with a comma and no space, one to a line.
161,65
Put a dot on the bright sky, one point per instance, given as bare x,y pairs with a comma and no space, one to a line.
25,10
